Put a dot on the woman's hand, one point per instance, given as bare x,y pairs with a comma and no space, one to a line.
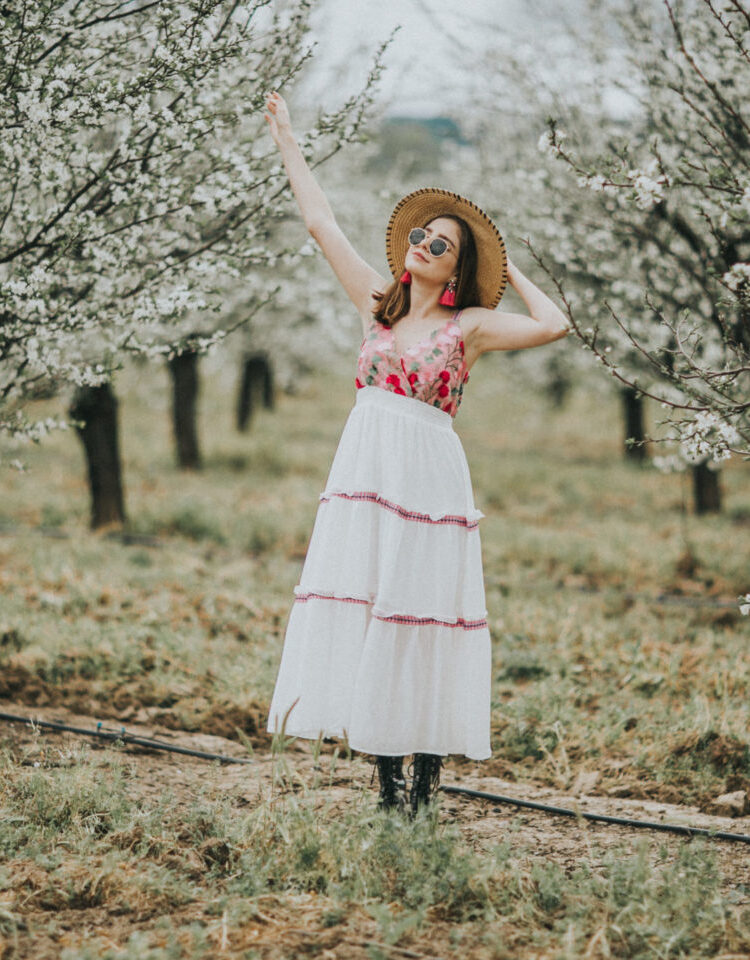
278,117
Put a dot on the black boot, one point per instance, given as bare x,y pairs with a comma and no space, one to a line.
392,783
425,779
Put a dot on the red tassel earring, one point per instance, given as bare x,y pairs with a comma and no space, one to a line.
448,298
406,277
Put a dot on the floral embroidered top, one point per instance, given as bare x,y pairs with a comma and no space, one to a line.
433,370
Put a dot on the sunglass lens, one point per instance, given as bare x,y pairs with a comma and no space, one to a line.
438,247
417,235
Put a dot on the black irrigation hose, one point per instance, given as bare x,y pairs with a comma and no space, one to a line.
601,817
125,737
531,804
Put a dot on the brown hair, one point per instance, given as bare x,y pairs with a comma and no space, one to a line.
394,302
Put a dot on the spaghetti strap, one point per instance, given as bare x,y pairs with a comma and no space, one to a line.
432,370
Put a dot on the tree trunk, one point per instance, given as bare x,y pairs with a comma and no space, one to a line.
706,489
97,406
269,388
632,404
185,387
256,386
558,383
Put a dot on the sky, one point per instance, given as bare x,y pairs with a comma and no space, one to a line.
423,68
432,64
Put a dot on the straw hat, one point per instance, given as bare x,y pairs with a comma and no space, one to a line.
418,208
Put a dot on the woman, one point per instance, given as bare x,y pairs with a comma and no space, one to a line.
387,642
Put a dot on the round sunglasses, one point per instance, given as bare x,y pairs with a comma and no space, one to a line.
437,246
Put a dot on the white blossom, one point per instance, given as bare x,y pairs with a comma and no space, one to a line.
669,463
129,154
650,268
546,143
738,279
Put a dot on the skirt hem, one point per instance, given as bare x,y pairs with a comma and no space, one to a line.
390,751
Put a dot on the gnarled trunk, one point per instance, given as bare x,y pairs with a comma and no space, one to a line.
632,408
97,406
183,370
256,387
706,489
559,383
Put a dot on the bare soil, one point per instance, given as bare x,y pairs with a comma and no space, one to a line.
289,925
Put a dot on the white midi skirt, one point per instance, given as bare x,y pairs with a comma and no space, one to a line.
387,643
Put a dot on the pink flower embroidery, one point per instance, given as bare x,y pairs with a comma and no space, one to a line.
441,366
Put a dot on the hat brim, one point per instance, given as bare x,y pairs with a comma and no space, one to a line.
421,206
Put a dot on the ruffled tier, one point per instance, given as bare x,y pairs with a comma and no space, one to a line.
407,453
362,550
390,688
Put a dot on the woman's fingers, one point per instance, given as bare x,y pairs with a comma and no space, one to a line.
276,106
278,109
277,116
276,101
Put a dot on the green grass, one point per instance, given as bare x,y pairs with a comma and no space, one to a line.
589,673
150,861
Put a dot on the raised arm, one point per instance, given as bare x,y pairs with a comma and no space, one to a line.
355,275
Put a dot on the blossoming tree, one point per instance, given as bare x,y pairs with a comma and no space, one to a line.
643,226
136,183
675,203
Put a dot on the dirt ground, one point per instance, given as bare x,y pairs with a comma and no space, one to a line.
565,840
